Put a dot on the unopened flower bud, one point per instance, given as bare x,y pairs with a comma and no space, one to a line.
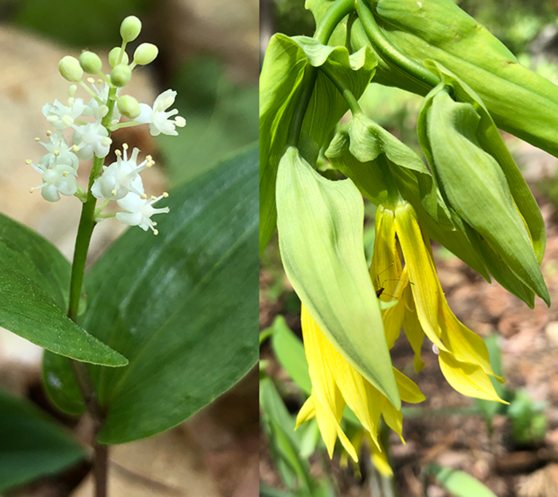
145,54
114,55
121,75
70,69
130,28
90,62
128,106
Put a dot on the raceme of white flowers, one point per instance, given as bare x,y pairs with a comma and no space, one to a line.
83,132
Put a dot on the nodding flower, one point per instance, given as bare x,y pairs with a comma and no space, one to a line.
402,252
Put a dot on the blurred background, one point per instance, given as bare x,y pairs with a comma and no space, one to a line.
512,450
208,52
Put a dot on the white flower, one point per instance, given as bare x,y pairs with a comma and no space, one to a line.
139,211
92,138
62,116
59,152
121,177
159,121
60,178
97,110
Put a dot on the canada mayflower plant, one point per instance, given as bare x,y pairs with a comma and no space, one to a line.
466,193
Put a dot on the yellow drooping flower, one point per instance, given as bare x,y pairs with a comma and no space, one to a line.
421,306
336,384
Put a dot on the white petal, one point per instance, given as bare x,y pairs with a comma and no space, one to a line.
146,114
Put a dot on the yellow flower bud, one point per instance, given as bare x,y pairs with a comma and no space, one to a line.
145,54
70,69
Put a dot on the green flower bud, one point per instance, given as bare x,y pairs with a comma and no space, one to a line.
70,69
114,55
90,62
130,28
128,106
121,75
145,54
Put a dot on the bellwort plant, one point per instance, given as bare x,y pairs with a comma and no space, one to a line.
466,193
130,342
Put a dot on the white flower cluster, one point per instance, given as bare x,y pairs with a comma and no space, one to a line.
90,130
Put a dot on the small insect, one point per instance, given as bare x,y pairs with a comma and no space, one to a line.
381,290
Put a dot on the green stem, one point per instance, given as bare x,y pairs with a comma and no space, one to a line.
389,53
124,125
347,94
80,369
331,19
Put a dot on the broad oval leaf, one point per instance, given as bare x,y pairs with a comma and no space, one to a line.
182,306
32,444
34,281
320,226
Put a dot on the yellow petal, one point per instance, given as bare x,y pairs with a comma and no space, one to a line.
328,423
468,379
422,272
413,329
331,372
393,418
379,459
466,345
306,413
408,389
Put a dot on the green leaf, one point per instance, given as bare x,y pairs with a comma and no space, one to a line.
320,226
459,483
491,141
183,306
34,280
356,150
289,64
267,491
290,353
283,440
33,445
520,101
448,132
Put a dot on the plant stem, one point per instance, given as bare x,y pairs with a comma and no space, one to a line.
389,53
100,469
329,22
80,369
347,94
